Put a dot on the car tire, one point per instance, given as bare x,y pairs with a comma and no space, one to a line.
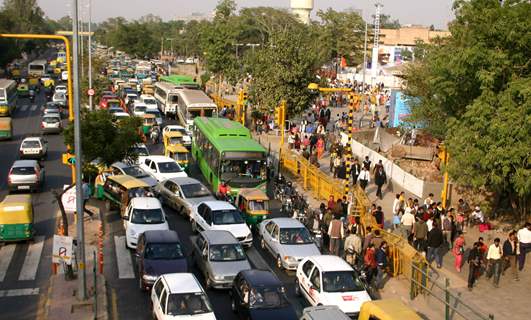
279,263
297,288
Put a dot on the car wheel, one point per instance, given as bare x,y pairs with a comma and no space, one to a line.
262,244
279,263
233,304
297,288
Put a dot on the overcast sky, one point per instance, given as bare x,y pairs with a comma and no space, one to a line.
424,12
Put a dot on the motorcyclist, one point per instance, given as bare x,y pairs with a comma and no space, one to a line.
223,190
353,245
155,134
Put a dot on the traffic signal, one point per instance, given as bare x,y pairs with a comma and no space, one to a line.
69,159
278,116
244,96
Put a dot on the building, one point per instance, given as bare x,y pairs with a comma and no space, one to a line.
302,9
407,36
196,16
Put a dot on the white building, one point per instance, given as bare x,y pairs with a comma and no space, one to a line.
302,8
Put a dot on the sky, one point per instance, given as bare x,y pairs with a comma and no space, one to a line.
421,12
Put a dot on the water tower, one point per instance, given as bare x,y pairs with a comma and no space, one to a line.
302,9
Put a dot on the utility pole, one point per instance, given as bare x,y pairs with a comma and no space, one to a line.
364,71
90,52
81,44
82,285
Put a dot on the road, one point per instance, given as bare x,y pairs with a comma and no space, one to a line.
25,267
129,302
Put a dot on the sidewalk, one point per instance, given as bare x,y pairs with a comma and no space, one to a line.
62,302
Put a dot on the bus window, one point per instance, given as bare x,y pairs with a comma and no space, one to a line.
253,169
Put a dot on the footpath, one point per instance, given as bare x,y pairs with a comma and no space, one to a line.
62,302
509,301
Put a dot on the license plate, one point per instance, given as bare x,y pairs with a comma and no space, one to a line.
23,187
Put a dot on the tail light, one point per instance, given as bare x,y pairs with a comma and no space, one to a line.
42,125
38,174
9,175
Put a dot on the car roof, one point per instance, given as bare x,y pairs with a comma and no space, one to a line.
184,180
52,115
161,236
174,126
218,205
122,165
182,283
261,278
160,159
287,222
145,203
219,237
331,263
32,139
24,163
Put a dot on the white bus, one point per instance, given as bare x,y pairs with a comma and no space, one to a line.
194,103
37,68
167,96
8,96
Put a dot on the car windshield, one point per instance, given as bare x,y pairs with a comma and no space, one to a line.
195,190
226,252
31,144
23,170
163,251
140,151
147,216
188,304
341,281
156,113
140,109
267,297
258,205
169,167
295,236
230,216
150,101
115,109
134,171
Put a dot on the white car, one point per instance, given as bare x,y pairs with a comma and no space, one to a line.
149,101
33,148
131,96
59,98
329,280
180,296
142,214
139,109
221,215
187,136
61,88
64,76
161,167
189,60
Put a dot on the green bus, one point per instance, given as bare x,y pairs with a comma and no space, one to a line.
224,151
181,81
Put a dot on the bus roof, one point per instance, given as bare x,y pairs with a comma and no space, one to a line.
238,144
178,79
196,99
221,127
5,83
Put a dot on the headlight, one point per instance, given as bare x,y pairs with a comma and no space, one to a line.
249,236
290,259
218,278
148,277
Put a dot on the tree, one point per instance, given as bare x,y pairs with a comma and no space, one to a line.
102,139
387,23
473,90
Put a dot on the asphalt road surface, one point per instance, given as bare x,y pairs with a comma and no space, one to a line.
26,267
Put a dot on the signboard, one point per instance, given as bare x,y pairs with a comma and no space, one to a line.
91,92
62,249
69,199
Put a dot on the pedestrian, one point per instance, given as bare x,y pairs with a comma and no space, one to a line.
369,260
320,147
291,140
377,238
336,232
337,164
494,258
364,178
524,237
459,250
368,237
367,163
446,223
379,217
435,243
428,201
355,170
510,254
474,264
402,200
406,223
463,210
331,202
85,187
353,245
380,178
381,262
342,171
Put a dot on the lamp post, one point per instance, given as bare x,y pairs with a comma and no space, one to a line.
90,51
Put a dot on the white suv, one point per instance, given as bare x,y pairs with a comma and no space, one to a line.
180,296
161,167
329,280
142,214
33,148
221,215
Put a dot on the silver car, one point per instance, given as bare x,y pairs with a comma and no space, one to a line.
219,256
287,240
183,193
135,171
51,123
25,175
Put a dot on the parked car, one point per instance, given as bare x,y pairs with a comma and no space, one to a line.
158,252
259,294
287,240
51,123
33,148
221,215
182,194
180,296
133,171
142,214
330,280
219,256
161,167
25,175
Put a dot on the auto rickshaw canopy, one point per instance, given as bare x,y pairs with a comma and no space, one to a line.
16,209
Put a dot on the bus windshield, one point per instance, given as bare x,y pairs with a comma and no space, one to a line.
173,98
243,173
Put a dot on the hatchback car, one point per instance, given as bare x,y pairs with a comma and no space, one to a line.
25,175
329,280
180,296
182,194
259,294
133,171
219,256
51,123
61,88
139,109
158,252
59,98
161,168
142,214
51,107
33,148
287,240
221,215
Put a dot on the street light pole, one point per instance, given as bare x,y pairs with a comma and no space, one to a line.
364,71
82,286
90,52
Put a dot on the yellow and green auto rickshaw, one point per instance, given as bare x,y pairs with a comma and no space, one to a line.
16,218
120,189
23,90
254,205
6,128
387,309
172,138
148,122
179,153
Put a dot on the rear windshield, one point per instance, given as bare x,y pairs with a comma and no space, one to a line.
50,120
23,170
31,144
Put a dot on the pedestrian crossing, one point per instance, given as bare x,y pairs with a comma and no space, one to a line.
26,107
30,266
123,259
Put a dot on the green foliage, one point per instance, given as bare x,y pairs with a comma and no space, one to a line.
103,139
386,22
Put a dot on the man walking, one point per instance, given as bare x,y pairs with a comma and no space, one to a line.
380,178
355,170
494,258
364,178
420,233
510,254
435,243
407,221
336,232
474,263
524,237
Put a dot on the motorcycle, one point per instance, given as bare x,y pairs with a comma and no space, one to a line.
32,95
154,135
